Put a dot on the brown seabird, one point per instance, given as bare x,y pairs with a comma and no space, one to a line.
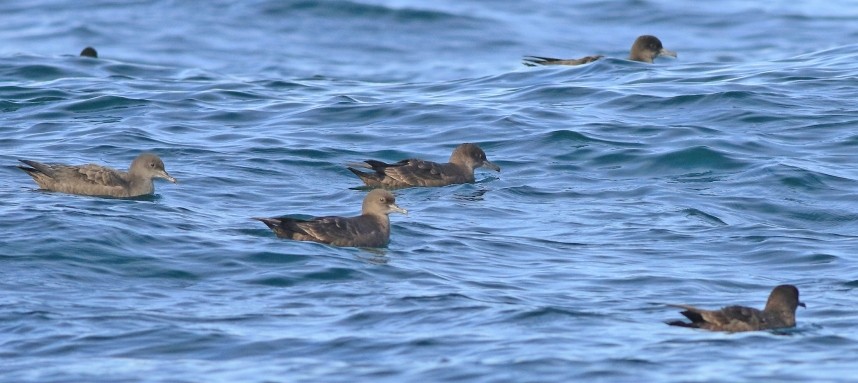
416,172
645,48
778,313
370,229
96,180
89,52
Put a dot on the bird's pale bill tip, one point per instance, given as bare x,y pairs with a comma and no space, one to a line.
667,52
491,165
168,177
397,209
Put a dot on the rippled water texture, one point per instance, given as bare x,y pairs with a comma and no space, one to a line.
705,180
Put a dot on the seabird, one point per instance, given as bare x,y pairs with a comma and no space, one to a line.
778,313
97,180
645,49
416,172
370,229
89,52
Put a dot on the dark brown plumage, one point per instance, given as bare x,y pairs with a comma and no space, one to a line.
370,229
645,49
96,180
538,60
89,52
778,313
416,172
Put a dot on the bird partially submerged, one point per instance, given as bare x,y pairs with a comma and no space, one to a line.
417,172
97,180
89,52
645,49
778,313
370,229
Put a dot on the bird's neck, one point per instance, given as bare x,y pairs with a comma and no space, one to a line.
384,220
140,184
785,317
465,167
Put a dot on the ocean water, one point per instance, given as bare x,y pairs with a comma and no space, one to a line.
625,186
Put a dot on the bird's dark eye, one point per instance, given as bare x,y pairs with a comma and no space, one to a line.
151,164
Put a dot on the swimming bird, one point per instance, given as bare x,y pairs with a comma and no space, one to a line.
778,313
645,49
370,229
89,52
97,180
416,172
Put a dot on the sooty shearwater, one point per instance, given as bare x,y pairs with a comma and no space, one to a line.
89,52
370,229
778,313
96,180
416,172
645,48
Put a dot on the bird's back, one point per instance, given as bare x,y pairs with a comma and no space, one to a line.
730,318
413,172
360,231
88,179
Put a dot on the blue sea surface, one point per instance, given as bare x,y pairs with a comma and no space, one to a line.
706,179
